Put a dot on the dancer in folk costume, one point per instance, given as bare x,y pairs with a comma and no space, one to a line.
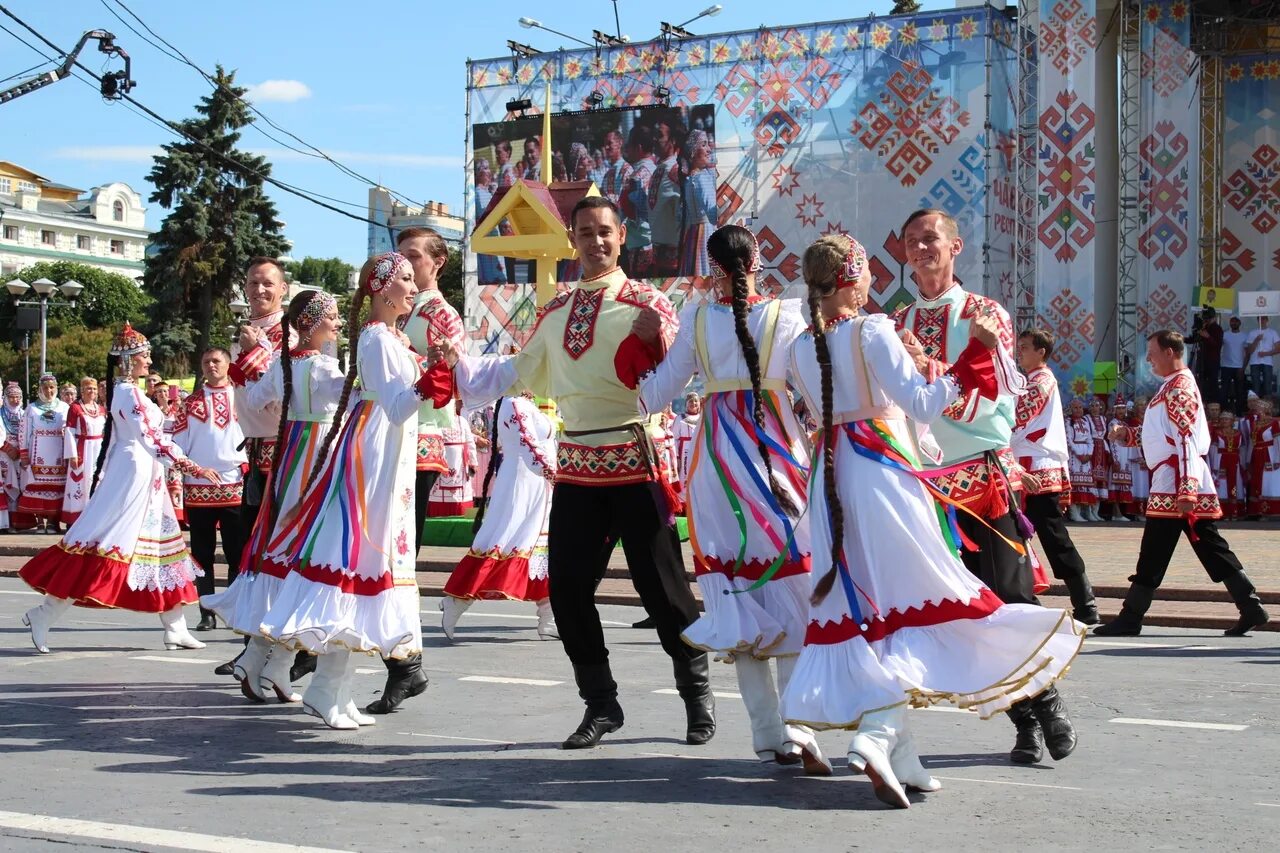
168,408
481,422
1184,497
699,209
588,351
1264,462
508,557
1228,469
977,468
209,434
1119,474
745,487
1080,462
1101,459
125,550
1040,445
1141,487
306,382
14,415
42,447
896,618
452,494
683,431
85,421
349,543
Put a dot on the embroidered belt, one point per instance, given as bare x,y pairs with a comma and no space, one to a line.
431,452
867,413
608,465
213,494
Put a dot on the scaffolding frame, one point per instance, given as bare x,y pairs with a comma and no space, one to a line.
1130,196
1027,165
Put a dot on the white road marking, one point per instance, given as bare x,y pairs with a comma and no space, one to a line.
175,659
146,836
947,709
672,755
671,691
1002,782
18,592
530,617
493,679
599,781
455,737
368,670
62,657
1180,724
1270,805
1118,644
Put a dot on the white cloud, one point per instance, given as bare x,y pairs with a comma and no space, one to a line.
108,153
409,161
278,91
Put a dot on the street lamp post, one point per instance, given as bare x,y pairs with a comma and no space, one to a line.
44,288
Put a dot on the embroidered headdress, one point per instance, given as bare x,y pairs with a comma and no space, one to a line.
319,305
753,264
129,342
384,269
48,377
855,261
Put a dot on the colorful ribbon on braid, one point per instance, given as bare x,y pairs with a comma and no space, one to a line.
873,440
719,409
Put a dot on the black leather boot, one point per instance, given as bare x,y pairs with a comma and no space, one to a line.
1028,747
1051,713
405,678
603,715
304,663
1083,606
694,685
208,621
1252,614
1129,622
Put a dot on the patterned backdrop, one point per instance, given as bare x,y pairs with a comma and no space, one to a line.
844,126
1065,197
1169,174
1251,174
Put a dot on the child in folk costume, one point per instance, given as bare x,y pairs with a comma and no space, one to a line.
13,414
683,431
1084,499
452,494
42,453
1228,470
349,544
1119,473
85,421
307,382
1141,487
1101,461
125,550
508,558
745,488
1264,462
896,617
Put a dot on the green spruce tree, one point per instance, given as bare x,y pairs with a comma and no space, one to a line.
219,217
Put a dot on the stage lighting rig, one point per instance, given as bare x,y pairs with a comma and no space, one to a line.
595,99
605,40
519,106
518,49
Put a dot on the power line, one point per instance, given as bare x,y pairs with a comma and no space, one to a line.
177,129
183,58
24,72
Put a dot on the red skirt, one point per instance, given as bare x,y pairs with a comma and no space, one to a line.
496,578
91,580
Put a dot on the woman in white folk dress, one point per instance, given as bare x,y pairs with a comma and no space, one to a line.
896,618
125,550
307,382
85,422
349,544
745,487
508,557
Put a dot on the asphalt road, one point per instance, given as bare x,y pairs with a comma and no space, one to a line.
112,742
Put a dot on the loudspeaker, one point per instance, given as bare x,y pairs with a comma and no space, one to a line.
27,318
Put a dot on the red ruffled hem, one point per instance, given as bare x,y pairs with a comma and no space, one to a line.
93,581
447,509
750,569
883,624
496,578
50,507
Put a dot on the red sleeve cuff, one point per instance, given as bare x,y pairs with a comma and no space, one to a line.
975,371
435,385
249,366
634,359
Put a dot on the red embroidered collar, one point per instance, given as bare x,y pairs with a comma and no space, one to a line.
835,321
752,301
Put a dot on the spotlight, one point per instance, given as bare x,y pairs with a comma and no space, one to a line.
519,106
675,30
662,93
608,40
595,99
521,49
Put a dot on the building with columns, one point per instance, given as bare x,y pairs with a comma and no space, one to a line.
41,220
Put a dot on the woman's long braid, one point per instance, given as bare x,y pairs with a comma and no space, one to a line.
835,512
749,354
106,429
353,341
491,467
277,452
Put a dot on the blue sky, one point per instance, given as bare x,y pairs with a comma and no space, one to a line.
379,86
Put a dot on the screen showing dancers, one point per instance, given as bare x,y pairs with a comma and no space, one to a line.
657,164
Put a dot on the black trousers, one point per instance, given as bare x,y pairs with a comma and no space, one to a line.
586,522
1231,388
422,486
995,563
1060,552
1160,539
205,522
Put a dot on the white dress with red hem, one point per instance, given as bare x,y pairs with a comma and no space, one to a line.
737,530
905,620
84,435
126,549
43,445
508,557
349,545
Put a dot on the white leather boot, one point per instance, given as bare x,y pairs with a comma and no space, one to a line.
323,694
546,621
1073,514
869,753
274,677
42,617
755,682
176,635
1093,513
248,668
906,763
800,740
453,608
345,699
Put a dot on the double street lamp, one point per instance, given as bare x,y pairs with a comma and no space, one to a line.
44,289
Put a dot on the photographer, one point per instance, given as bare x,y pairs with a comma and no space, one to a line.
1207,334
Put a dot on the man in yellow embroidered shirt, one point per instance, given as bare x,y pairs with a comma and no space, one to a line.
587,353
